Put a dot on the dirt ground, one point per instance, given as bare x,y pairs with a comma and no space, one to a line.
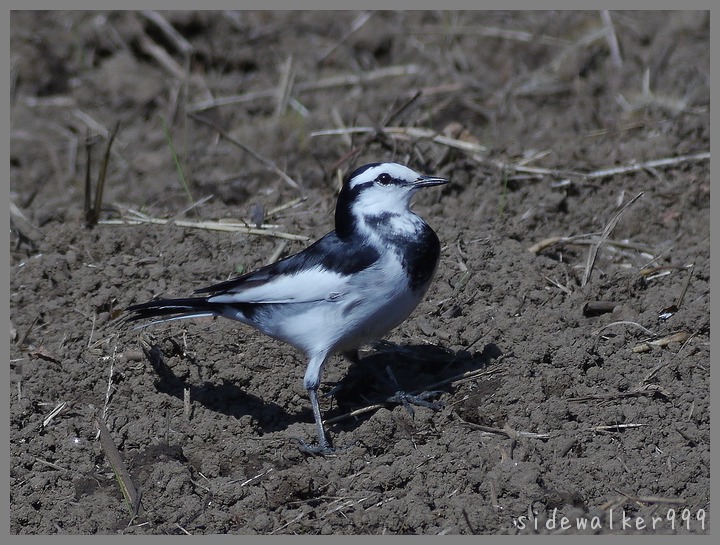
564,395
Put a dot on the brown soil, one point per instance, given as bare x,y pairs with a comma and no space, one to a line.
567,413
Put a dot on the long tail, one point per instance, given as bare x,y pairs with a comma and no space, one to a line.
174,309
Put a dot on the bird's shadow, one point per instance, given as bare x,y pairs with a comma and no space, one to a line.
411,369
370,380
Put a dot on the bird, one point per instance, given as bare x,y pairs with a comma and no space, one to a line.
347,289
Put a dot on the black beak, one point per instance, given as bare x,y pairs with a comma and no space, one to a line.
427,181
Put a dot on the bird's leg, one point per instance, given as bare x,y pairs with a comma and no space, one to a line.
323,445
323,442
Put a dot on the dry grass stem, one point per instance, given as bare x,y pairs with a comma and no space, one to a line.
596,174
612,40
491,32
356,25
50,464
651,499
624,322
595,248
588,239
668,161
412,132
247,149
129,492
288,523
91,124
277,253
281,208
252,479
92,211
133,217
325,83
654,272
566,290
681,297
187,403
160,55
644,390
680,336
59,408
507,431
287,79
169,31
109,389
338,120
614,427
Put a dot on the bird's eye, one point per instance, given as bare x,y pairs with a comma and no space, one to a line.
384,178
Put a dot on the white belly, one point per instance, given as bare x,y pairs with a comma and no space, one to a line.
375,301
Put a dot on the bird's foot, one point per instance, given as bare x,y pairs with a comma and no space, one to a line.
419,400
319,449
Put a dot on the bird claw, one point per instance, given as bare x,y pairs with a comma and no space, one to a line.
419,400
317,449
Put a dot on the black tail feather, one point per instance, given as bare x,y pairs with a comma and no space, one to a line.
171,307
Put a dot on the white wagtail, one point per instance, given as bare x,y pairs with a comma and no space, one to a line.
350,287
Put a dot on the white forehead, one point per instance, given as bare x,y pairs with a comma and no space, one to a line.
396,170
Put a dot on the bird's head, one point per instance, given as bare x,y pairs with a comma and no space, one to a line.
378,190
